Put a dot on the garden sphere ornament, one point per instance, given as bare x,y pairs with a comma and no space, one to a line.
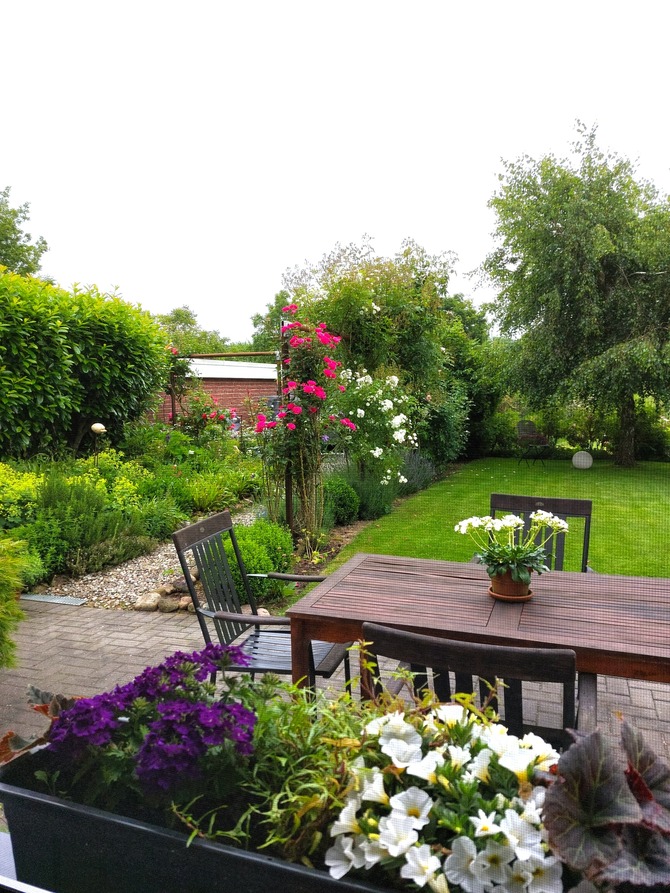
582,459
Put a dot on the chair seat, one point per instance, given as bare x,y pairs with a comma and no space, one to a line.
270,652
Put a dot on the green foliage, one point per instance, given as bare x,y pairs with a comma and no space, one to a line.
14,564
70,359
581,268
275,538
265,546
341,499
182,330
17,252
443,429
78,528
374,499
499,435
256,561
18,493
609,819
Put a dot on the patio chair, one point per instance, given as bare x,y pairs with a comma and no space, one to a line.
490,662
534,445
579,509
268,645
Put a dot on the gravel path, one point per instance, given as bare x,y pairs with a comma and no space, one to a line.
118,587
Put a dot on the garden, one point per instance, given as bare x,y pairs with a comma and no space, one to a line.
398,406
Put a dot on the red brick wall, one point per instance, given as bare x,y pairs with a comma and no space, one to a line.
230,392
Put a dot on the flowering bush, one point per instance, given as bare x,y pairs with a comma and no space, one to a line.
443,799
384,418
305,422
504,546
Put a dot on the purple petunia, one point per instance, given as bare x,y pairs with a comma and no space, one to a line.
168,718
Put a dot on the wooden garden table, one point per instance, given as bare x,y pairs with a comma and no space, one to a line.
618,626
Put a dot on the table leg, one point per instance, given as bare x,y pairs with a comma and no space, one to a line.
300,645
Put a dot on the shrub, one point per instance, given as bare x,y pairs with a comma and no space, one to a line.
88,356
159,516
418,471
499,435
375,500
209,492
103,553
341,499
18,495
13,564
276,539
256,561
444,432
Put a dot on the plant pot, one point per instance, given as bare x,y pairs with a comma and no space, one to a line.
505,589
64,847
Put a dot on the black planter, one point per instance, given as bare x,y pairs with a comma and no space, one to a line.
63,847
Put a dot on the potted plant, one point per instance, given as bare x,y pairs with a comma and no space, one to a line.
170,784
265,781
511,552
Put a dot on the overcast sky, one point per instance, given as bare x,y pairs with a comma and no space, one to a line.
190,152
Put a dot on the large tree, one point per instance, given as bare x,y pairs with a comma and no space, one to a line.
17,252
583,271
181,326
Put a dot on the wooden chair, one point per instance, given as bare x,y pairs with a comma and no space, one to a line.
496,662
269,643
581,509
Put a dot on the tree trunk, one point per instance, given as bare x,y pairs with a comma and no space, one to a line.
625,449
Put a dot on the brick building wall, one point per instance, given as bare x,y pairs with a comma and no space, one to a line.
232,384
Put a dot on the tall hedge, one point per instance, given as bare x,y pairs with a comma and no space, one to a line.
68,359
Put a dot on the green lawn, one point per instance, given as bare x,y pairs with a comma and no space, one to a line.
630,528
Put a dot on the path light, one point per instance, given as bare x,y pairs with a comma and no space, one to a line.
97,428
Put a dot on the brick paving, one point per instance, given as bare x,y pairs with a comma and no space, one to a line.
76,650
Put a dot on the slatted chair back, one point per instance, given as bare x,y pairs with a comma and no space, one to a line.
567,509
211,545
513,665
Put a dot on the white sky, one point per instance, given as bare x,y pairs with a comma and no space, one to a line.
189,152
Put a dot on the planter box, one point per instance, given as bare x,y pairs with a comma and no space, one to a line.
67,848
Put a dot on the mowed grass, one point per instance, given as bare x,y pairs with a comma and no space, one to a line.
630,532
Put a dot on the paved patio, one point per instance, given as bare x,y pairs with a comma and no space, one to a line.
75,650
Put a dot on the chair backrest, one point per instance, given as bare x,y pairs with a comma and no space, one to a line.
523,506
514,665
212,545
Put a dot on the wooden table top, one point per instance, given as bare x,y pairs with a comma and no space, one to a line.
618,626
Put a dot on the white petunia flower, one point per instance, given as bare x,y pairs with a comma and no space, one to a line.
459,756
493,863
402,753
414,805
396,834
526,839
485,824
459,866
425,768
344,855
451,714
421,865
347,823
546,872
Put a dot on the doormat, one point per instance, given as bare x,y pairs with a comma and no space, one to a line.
56,599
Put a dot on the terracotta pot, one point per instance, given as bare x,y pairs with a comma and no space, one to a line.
504,588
